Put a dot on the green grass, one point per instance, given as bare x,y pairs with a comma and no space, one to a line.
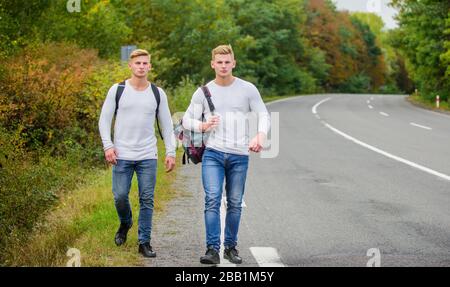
86,219
268,99
416,99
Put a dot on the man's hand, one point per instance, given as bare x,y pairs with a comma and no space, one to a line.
257,142
111,156
210,124
170,163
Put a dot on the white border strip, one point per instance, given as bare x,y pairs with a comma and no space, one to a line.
386,154
377,150
420,126
266,256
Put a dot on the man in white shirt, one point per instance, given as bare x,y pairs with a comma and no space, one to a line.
227,149
134,148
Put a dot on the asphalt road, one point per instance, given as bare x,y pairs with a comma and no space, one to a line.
354,174
326,200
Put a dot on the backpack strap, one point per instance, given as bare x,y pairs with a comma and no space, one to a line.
158,100
208,98
119,92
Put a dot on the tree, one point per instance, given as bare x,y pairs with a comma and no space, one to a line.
423,40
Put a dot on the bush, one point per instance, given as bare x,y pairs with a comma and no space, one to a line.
30,184
356,84
180,96
50,100
41,91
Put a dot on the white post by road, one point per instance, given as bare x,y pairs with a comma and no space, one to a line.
437,102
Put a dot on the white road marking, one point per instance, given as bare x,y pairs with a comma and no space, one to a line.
371,98
314,109
386,154
420,126
223,212
384,114
370,107
368,101
266,256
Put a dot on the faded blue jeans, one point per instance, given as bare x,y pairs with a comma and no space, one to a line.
123,173
216,167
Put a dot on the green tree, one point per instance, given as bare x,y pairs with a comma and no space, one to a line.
423,39
276,54
98,25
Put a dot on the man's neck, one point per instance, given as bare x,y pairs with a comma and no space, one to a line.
226,81
139,83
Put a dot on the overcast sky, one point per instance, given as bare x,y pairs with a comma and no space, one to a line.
379,7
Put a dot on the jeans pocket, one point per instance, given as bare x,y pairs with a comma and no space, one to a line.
120,166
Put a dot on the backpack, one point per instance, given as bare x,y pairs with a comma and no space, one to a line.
155,90
193,142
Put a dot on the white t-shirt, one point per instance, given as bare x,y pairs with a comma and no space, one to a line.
242,114
134,132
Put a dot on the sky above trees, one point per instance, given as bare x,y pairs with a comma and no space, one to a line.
380,7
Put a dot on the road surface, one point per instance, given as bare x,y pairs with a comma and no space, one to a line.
358,179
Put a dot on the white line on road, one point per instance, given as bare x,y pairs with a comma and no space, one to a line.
371,98
314,109
223,212
397,158
266,256
384,114
370,107
420,126
368,101
377,150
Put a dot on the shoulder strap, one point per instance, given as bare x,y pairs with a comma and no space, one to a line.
158,100
119,93
208,98
155,90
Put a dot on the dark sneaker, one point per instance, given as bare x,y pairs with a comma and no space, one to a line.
211,256
121,234
146,250
232,255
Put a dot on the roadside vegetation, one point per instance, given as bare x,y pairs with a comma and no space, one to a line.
58,65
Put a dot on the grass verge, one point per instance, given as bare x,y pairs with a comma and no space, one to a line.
418,101
86,219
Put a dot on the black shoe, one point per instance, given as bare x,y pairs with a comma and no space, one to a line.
121,234
232,255
146,250
211,256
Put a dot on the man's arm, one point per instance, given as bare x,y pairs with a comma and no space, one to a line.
104,124
257,105
194,113
165,118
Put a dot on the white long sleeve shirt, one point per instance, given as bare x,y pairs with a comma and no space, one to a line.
134,132
242,114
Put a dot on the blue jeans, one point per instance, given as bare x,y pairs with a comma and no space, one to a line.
123,173
216,167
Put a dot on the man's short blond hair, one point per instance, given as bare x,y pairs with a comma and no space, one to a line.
138,53
222,50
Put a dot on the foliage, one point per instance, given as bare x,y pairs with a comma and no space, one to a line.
423,38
